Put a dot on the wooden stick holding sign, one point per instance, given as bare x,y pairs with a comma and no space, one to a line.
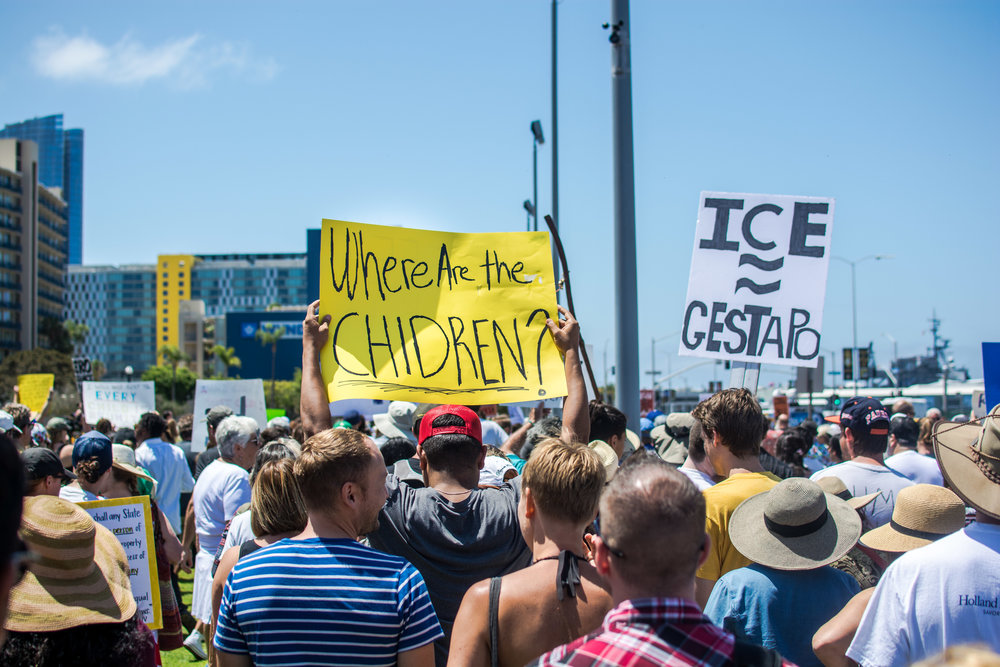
569,302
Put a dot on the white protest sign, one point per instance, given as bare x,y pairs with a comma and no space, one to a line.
979,404
121,403
758,278
243,397
130,520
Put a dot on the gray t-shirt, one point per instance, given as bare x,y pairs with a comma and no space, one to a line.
452,544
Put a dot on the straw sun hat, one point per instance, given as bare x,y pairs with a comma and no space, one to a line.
836,486
794,526
922,513
124,459
80,577
969,455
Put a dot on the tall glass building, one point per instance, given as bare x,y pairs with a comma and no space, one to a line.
60,165
118,303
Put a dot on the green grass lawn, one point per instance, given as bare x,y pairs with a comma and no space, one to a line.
182,656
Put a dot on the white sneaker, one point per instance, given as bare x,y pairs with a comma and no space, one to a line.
193,643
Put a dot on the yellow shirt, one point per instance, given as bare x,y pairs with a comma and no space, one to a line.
720,501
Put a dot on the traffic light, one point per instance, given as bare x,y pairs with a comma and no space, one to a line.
848,364
862,363
836,402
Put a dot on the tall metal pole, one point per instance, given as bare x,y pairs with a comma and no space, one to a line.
854,319
626,298
534,197
555,145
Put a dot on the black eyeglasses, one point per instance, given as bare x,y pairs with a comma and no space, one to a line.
618,553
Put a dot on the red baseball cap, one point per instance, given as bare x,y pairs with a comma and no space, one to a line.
472,426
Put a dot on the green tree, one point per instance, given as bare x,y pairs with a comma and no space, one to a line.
53,335
38,360
271,337
227,356
172,356
97,369
171,382
77,333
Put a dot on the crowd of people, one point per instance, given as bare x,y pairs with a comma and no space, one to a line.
443,534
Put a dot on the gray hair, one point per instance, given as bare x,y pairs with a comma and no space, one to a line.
543,429
233,431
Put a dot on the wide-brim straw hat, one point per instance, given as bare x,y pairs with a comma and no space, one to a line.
80,576
922,514
123,458
836,486
794,526
969,456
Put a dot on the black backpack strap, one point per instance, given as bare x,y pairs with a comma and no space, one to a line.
746,654
494,621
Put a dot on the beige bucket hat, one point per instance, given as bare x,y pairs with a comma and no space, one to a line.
794,526
969,455
80,576
922,513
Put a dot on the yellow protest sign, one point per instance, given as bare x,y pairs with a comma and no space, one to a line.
438,317
34,389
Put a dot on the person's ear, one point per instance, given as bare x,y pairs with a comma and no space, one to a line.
482,457
529,502
350,494
422,457
602,556
706,544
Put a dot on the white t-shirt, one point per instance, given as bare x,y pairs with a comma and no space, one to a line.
940,595
221,489
75,494
916,467
864,478
493,433
700,479
239,531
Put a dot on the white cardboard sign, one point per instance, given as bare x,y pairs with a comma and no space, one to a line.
122,403
243,397
130,520
758,278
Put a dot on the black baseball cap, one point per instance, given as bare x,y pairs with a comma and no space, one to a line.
863,415
906,430
40,462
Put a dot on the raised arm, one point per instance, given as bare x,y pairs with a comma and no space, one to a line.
313,404
576,416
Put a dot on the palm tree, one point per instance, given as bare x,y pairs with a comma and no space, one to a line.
97,369
77,332
227,356
173,356
271,337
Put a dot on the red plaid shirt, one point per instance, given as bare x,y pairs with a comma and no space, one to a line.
648,632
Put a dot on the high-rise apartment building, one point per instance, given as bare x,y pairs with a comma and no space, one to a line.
33,247
60,165
118,304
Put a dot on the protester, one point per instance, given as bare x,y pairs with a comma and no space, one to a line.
819,455
105,426
944,593
865,425
277,511
696,465
493,434
20,425
608,424
733,425
651,574
904,407
75,605
513,619
452,531
222,487
364,607
185,429
92,461
44,474
212,420
791,533
397,449
396,422
904,436
166,463
923,514
125,475
58,429
12,553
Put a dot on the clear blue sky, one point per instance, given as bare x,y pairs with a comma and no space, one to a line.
233,127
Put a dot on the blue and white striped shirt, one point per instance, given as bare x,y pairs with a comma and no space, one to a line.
324,602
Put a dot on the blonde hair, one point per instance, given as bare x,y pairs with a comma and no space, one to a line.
565,479
276,504
329,460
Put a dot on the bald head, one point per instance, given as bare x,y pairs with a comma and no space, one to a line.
653,521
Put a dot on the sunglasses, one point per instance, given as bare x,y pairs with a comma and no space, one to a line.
618,553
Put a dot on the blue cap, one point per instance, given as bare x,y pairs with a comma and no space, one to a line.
645,425
93,445
353,417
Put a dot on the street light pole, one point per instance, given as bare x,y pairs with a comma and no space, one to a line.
530,210
538,138
854,311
